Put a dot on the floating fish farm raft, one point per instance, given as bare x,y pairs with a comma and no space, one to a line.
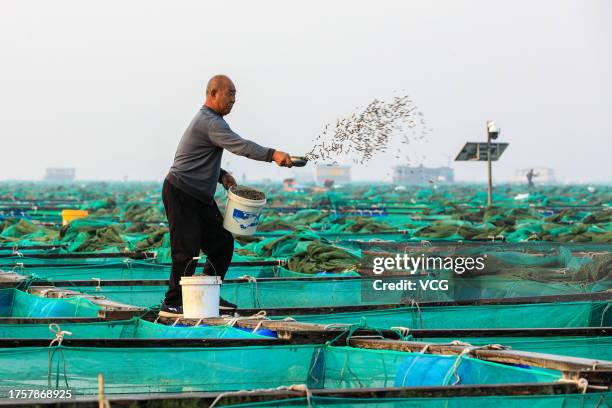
79,302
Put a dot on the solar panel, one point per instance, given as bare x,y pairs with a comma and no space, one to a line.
478,151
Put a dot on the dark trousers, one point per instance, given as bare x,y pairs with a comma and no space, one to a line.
194,226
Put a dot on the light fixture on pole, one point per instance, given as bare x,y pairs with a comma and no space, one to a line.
489,152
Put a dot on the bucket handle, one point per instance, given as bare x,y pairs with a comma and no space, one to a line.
197,258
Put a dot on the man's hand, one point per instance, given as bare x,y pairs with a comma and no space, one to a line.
228,181
282,159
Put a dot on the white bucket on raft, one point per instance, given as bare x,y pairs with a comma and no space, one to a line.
200,296
242,214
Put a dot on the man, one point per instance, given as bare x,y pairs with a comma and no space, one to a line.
188,193
530,175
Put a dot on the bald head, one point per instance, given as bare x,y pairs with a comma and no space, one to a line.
217,83
220,94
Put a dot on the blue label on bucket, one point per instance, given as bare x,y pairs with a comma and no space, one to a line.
245,219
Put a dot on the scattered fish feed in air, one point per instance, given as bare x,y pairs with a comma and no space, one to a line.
371,130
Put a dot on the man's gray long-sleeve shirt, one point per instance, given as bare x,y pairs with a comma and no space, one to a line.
197,162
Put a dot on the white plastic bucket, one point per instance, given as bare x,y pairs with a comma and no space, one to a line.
242,214
200,296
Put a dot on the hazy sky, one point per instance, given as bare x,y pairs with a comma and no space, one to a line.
109,87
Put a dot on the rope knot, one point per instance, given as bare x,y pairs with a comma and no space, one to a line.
404,332
261,316
59,334
59,337
459,343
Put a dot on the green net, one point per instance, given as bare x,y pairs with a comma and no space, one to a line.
112,270
597,348
319,234
570,262
15,303
594,400
141,296
543,315
130,219
134,270
134,329
352,292
306,252
565,263
6,252
339,367
309,253
140,370
464,247
484,287
25,260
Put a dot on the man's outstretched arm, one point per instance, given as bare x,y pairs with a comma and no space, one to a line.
221,135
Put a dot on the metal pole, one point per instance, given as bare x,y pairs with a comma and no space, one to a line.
490,191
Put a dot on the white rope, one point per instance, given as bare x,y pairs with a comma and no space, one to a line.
452,343
496,347
18,265
59,337
467,350
59,334
98,281
582,384
297,388
261,315
459,343
404,331
603,314
257,327
455,365
332,326
253,280
414,303
149,255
